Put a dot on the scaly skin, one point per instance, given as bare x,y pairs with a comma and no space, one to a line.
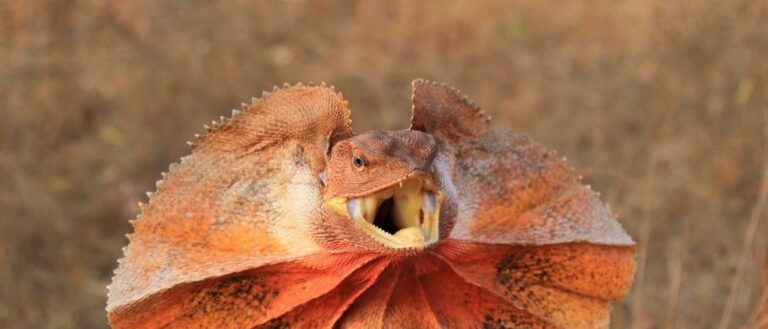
272,222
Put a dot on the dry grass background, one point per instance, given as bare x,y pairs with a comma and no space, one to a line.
662,105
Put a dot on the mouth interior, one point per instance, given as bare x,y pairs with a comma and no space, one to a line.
384,219
404,215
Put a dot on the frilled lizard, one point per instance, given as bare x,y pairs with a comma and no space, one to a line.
283,217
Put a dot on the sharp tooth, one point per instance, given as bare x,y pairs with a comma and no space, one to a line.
405,211
429,207
370,204
429,202
355,209
400,183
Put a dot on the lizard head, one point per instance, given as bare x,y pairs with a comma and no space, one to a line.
382,183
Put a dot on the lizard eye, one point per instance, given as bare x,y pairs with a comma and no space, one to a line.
358,162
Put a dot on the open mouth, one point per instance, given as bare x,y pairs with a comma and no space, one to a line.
404,215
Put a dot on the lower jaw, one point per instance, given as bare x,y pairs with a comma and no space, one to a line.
405,238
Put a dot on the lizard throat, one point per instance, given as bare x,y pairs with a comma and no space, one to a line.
404,215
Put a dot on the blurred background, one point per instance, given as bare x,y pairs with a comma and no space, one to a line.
661,105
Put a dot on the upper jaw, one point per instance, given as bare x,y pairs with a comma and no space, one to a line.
403,215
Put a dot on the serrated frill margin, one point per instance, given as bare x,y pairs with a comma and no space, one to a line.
211,129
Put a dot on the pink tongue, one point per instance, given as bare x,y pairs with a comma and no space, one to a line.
411,235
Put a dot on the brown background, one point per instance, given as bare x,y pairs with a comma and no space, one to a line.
661,105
